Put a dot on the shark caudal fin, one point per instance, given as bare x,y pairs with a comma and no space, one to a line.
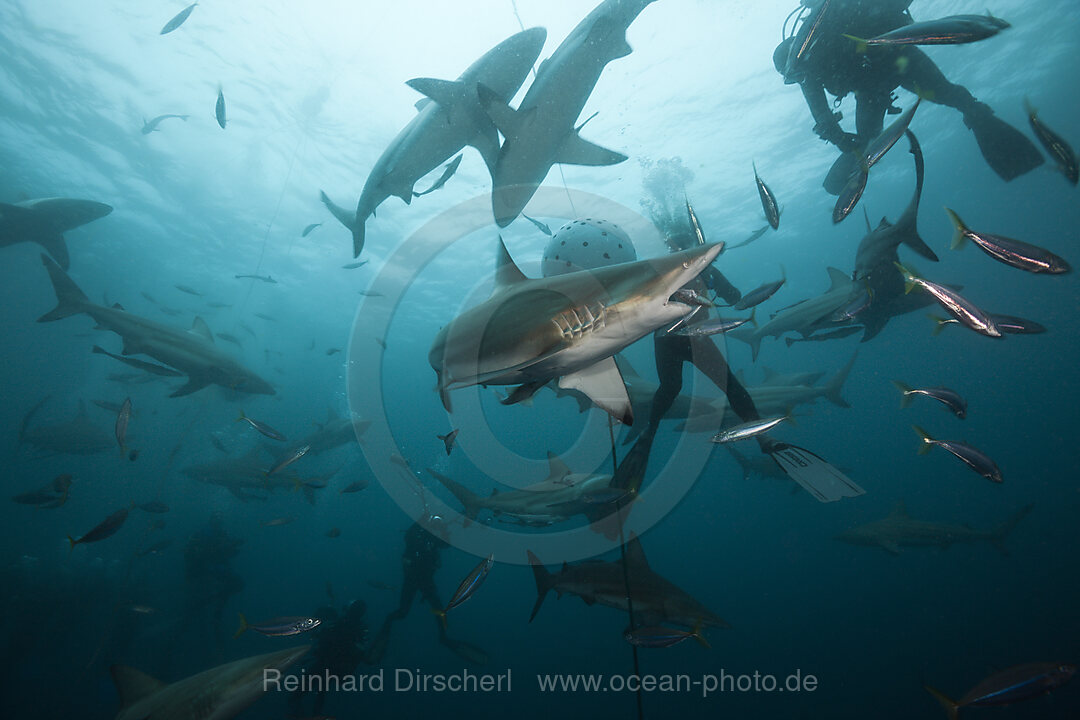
348,219
133,685
950,705
905,394
1002,530
834,386
749,336
544,582
469,500
70,300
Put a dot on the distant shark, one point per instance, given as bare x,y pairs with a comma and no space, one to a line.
531,331
541,131
448,119
335,432
558,497
216,694
78,436
656,599
45,221
901,530
192,352
244,476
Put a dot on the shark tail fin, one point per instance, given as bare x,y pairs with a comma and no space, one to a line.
469,500
544,582
243,627
950,705
133,685
960,230
905,394
927,441
834,386
70,300
1002,530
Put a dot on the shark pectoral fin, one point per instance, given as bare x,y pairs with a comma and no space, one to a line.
917,244
557,469
446,93
486,142
504,117
603,384
635,554
200,328
890,546
133,685
55,246
194,384
577,151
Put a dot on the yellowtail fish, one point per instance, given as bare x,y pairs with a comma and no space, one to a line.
177,20
467,587
261,427
658,636
1012,685
748,430
299,453
949,398
219,109
278,627
1015,253
974,459
951,30
958,306
1055,145
104,529
122,419
1009,324
768,201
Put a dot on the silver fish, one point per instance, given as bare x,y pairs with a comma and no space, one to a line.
748,429
1015,253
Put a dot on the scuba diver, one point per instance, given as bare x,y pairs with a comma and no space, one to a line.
589,244
419,562
819,58
337,651
209,578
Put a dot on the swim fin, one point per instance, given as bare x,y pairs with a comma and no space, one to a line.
1006,150
816,476
840,172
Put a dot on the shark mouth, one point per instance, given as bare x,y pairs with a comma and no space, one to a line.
576,322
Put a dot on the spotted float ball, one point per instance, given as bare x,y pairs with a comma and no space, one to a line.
586,244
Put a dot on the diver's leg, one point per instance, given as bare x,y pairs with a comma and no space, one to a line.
924,78
707,358
870,113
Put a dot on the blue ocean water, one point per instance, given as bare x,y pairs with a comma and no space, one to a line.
314,96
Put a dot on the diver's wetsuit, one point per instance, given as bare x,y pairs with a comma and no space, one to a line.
337,651
418,565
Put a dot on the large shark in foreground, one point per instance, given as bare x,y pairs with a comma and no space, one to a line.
900,529
541,131
192,352
568,326
216,694
45,221
656,599
448,119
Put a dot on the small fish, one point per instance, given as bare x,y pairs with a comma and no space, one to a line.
248,330
122,419
753,236
951,30
714,327
279,627
142,609
695,226
354,265
748,430
104,529
150,126
822,337
875,150
468,586
154,506
1009,324
299,453
261,427
354,487
370,293
230,338
539,225
109,406
448,171
219,109
278,522
1011,252
949,398
1014,684
333,532
759,295
691,297
178,20
264,316
188,290
264,278
1059,150
657,636
448,440
149,297
852,192
332,351
973,458
216,442
957,306
768,201
152,368
309,228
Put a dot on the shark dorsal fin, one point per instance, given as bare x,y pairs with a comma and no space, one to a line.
133,685
557,469
884,223
837,278
117,306
770,374
507,272
899,509
200,328
635,555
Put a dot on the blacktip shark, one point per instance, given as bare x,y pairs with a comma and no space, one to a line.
219,693
192,352
558,497
569,326
45,220
78,436
656,599
541,131
901,530
449,118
